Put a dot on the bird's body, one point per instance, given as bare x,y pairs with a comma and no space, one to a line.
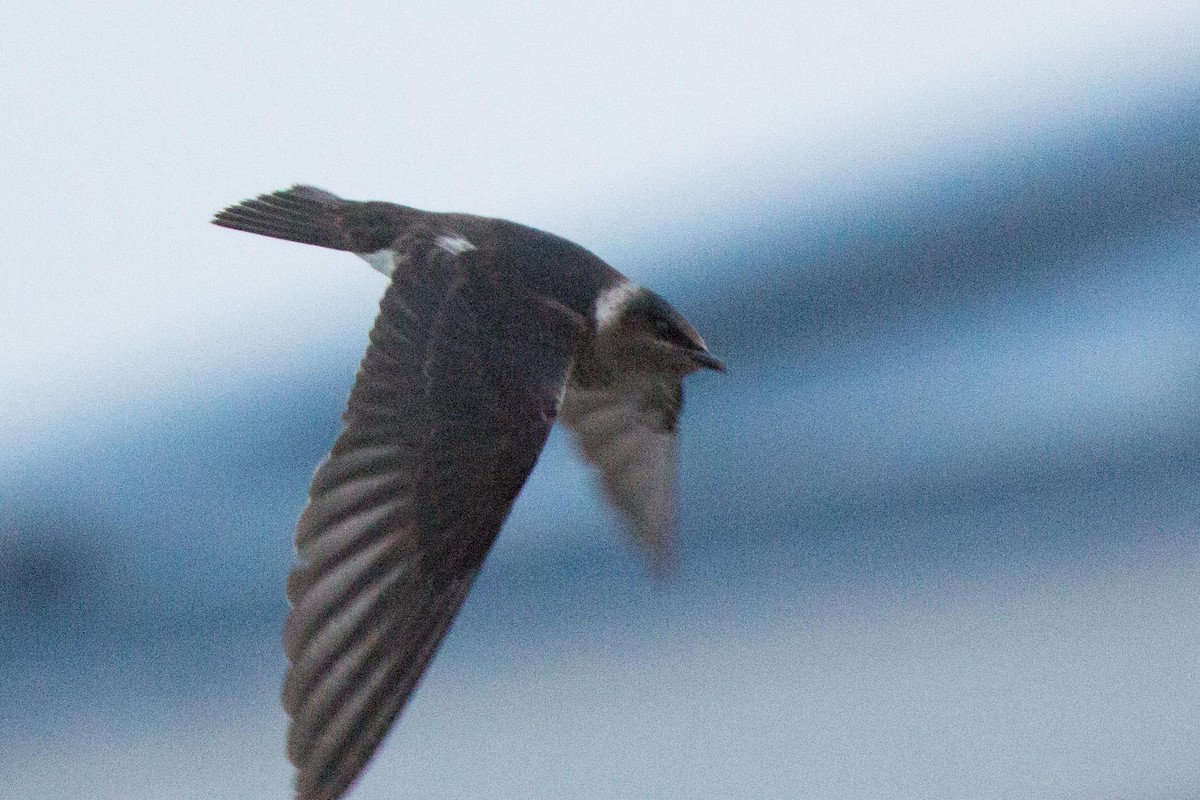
488,332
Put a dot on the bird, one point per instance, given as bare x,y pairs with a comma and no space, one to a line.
488,332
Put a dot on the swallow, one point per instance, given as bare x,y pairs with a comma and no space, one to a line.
488,332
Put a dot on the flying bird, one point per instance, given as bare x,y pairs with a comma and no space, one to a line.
487,333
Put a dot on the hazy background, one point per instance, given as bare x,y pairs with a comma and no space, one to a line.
940,523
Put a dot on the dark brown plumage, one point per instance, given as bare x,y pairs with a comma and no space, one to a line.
487,331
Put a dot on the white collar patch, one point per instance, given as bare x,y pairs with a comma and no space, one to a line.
611,301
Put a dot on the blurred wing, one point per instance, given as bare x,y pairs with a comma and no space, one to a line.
626,429
451,407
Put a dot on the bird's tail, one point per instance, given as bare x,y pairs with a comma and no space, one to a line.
303,214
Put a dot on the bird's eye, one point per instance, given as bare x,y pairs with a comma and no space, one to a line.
667,332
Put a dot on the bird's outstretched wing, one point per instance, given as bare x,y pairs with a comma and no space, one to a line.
450,409
625,426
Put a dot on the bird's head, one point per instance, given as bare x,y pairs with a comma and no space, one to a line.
645,328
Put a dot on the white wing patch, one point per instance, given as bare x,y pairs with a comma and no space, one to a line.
454,244
383,260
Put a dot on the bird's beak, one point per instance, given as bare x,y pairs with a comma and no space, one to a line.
707,360
698,351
